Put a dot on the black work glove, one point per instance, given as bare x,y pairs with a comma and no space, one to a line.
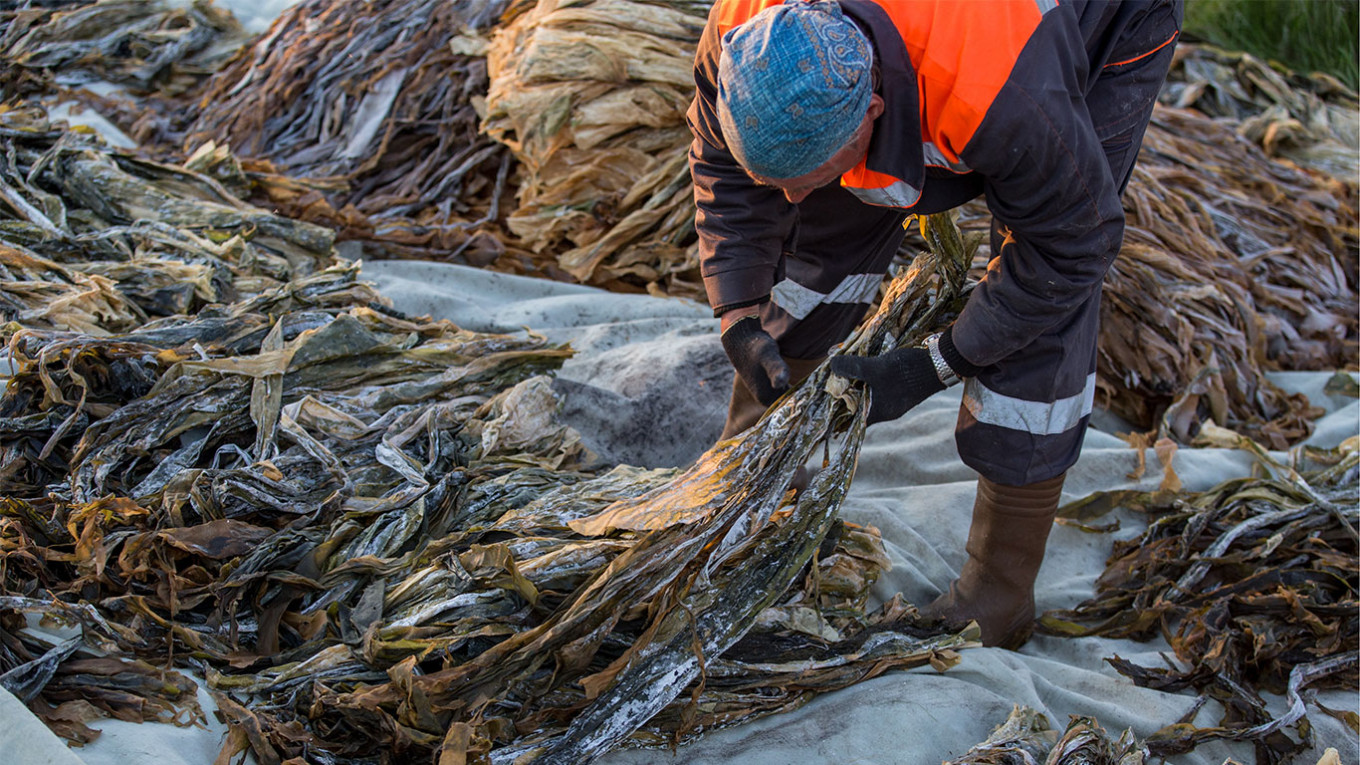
755,356
902,378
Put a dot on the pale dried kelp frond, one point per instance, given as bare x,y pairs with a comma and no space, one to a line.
1307,119
380,99
591,96
143,46
1254,584
1085,742
1025,738
1233,265
35,292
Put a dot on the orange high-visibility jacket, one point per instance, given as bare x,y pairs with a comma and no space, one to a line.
981,96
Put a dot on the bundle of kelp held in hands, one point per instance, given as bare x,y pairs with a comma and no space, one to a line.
368,531
1254,584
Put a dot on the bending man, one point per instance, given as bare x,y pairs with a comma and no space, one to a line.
820,126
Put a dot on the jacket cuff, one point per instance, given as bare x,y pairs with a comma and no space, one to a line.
738,288
961,366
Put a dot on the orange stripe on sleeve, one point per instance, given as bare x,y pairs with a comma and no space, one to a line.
1145,55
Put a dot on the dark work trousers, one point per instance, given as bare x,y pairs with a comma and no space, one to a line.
1038,399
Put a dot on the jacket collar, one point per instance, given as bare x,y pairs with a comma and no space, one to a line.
896,147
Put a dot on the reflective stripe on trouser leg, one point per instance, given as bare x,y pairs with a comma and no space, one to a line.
1036,417
1004,432
1024,419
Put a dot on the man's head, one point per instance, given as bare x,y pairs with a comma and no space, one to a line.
794,89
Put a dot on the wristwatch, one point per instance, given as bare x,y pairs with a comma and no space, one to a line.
943,371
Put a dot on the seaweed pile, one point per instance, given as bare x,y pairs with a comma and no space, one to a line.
143,47
1026,738
1232,265
369,107
1254,584
223,452
1308,119
408,127
591,97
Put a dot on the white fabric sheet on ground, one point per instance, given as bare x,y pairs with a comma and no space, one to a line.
649,385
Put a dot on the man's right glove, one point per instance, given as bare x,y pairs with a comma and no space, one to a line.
902,378
755,356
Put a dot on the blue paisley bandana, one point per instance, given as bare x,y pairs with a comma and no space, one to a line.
793,85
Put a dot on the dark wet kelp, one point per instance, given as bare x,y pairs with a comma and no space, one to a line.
1253,583
367,531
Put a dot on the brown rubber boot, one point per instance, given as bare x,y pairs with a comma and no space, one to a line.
1005,548
743,410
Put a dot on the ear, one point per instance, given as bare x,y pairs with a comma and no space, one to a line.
875,107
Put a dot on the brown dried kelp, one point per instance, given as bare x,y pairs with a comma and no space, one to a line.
67,691
724,540
1027,739
591,97
1085,742
76,216
1307,119
1254,585
373,538
377,99
1233,265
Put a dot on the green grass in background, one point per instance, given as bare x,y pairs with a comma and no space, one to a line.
1303,35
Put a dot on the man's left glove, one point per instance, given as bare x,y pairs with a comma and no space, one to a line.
755,356
902,378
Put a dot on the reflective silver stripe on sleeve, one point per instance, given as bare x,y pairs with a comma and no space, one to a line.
1046,5
935,157
798,301
899,194
1036,417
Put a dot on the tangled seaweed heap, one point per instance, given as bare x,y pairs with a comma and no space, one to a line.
367,531
1232,265
408,126
142,46
362,116
1254,584
1305,119
591,97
